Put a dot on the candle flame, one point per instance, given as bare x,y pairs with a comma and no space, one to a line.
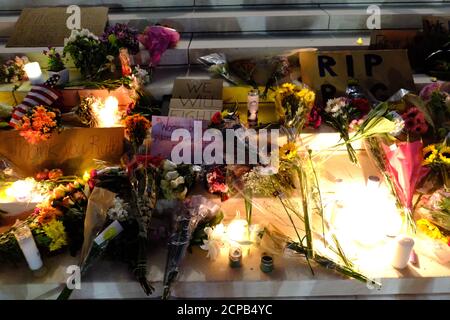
107,114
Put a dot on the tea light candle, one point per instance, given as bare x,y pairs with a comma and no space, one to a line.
402,253
34,73
28,246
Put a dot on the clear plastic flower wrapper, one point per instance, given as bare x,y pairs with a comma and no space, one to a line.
190,214
266,71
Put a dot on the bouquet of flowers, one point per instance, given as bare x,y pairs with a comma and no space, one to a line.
175,180
56,223
89,54
437,157
157,39
437,99
253,72
216,182
344,115
119,36
436,209
54,60
13,71
191,213
39,123
293,104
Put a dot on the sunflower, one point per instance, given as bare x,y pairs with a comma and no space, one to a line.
444,155
288,86
288,151
429,154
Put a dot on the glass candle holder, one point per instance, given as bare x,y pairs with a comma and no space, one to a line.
252,107
235,257
34,72
266,264
28,246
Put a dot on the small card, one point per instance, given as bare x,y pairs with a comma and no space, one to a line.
109,233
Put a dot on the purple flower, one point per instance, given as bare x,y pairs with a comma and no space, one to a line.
124,35
427,91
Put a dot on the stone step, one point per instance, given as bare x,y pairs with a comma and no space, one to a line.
17,5
239,46
257,19
234,45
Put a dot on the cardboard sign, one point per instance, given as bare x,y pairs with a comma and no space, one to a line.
162,129
72,150
196,99
382,72
42,27
410,39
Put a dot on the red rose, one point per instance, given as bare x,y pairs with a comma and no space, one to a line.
216,118
361,104
314,118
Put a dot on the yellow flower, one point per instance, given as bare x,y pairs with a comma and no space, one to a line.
429,154
310,97
56,232
288,86
444,155
288,151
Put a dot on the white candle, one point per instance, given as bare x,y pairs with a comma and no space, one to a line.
28,246
402,251
34,73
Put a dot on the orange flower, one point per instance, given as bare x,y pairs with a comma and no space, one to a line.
38,125
136,127
47,214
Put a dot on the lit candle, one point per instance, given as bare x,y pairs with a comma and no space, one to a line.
34,73
109,115
402,253
237,230
28,246
21,190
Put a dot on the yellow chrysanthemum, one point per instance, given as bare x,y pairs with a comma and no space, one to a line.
444,155
288,151
56,232
429,154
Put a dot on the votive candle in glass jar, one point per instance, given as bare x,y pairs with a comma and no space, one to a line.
252,107
28,246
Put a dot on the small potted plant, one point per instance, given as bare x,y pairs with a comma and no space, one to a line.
55,65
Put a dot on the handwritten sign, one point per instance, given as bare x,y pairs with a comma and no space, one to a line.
382,72
52,25
196,99
163,128
72,150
